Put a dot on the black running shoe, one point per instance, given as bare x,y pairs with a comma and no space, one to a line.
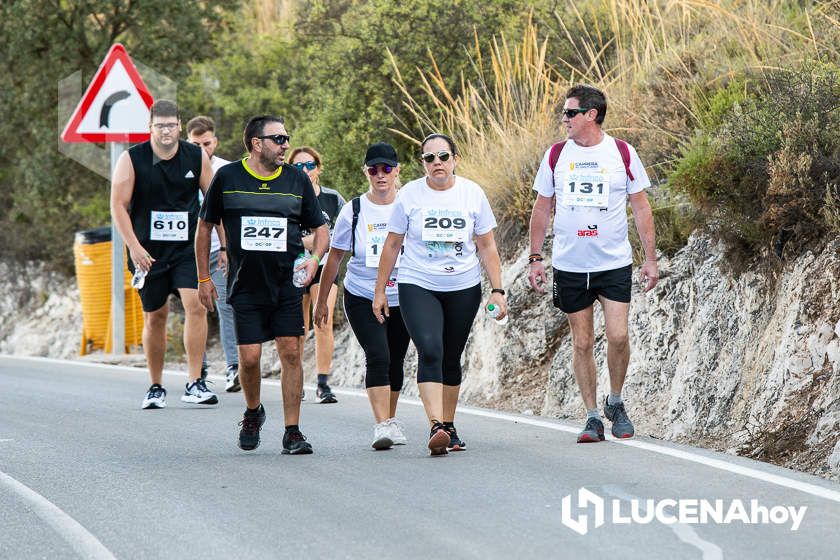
592,432
622,427
455,443
438,439
294,443
249,435
325,395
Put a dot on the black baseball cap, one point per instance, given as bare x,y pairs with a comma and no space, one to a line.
381,152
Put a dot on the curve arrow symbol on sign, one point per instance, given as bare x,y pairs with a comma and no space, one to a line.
113,99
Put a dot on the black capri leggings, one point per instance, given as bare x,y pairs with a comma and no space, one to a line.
439,324
384,345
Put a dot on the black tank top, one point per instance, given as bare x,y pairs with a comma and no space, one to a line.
161,187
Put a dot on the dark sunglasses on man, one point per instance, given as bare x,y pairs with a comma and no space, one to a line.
278,139
308,165
429,157
572,113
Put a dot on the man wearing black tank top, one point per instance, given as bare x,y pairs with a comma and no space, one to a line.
155,209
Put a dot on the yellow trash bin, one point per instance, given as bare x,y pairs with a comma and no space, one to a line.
92,251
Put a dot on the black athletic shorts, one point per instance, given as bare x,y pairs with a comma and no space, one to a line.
574,291
165,278
317,279
258,323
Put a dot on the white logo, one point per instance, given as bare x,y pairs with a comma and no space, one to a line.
189,175
686,511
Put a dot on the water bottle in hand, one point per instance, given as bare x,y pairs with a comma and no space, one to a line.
299,276
493,311
139,279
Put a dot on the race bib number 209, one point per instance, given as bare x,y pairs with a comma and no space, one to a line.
264,233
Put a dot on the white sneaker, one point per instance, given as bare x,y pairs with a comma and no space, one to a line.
155,397
382,436
198,393
232,379
396,431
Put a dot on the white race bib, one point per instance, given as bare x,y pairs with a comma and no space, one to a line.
263,233
444,224
169,226
584,188
375,241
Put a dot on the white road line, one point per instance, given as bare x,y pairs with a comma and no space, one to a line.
685,533
79,538
720,464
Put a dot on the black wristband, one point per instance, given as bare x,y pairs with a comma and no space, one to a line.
222,248
497,291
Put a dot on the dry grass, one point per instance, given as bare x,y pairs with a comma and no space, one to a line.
658,61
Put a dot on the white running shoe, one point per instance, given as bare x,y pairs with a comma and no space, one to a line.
198,393
232,379
397,433
382,436
155,397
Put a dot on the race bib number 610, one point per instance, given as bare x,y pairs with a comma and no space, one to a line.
263,233
169,226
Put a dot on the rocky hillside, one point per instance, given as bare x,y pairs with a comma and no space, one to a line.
748,363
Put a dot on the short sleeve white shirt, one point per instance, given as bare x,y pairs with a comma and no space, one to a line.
439,249
363,266
591,186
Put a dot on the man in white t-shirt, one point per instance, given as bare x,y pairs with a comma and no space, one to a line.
201,131
587,180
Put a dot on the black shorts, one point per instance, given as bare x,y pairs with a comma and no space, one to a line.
165,279
261,322
574,291
317,279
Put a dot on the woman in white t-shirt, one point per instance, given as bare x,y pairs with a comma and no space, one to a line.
361,228
444,220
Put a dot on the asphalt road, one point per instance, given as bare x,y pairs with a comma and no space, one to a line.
84,473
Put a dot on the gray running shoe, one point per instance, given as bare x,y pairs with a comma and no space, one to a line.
593,432
622,427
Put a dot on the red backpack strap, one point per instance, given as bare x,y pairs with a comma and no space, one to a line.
624,150
554,155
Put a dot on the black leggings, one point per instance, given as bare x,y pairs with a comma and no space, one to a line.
439,324
384,345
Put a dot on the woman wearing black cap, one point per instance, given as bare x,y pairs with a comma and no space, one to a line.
361,228
446,222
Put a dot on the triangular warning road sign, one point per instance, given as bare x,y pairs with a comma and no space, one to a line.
115,107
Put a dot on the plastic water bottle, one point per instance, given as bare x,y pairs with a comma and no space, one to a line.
299,276
139,279
493,312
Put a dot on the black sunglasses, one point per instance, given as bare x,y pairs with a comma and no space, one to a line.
429,157
373,170
278,139
310,165
572,113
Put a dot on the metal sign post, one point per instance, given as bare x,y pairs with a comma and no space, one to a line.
117,274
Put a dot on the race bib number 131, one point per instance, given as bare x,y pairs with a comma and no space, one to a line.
263,233
586,189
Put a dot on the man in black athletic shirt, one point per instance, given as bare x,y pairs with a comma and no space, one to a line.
155,209
264,206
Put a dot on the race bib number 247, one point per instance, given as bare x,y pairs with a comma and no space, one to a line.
264,233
